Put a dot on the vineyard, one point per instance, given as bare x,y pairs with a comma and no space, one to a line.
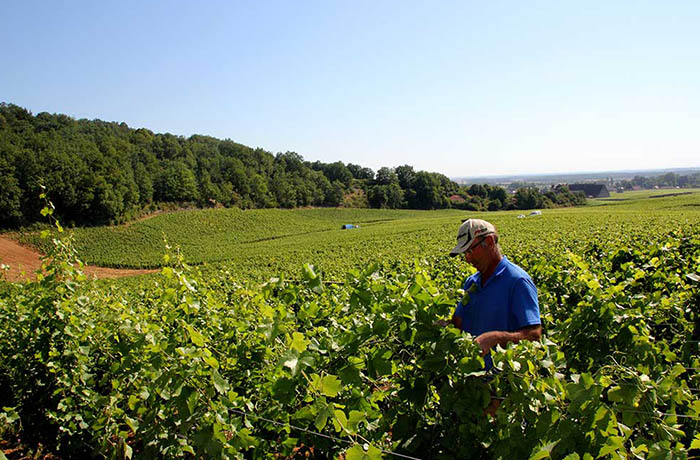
301,340
220,234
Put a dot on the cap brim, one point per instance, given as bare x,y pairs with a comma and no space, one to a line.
459,249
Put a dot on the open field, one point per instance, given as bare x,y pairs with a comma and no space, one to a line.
345,358
219,234
23,263
263,243
670,198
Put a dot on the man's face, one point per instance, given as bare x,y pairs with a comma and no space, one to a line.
476,254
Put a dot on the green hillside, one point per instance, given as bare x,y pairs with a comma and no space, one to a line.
98,172
269,242
221,234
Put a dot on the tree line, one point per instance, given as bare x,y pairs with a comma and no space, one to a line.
664,180
98,172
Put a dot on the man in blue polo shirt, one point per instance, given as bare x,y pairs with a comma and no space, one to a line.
500,301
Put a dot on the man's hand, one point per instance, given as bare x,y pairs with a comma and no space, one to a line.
455,321
490,339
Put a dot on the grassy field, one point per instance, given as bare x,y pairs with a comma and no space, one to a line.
220,234
665,198
262,243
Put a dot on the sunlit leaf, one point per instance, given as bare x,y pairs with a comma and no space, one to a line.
220,383
299,342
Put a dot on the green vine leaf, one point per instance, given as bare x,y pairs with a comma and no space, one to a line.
357,452
221,385
196,337
299,343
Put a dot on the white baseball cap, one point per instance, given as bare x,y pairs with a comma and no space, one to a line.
468,232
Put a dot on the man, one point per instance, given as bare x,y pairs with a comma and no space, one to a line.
500,302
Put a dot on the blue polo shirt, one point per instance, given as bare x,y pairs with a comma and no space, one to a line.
506,302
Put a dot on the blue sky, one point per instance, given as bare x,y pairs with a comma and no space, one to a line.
464,88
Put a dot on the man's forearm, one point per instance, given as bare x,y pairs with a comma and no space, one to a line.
531,333
488,340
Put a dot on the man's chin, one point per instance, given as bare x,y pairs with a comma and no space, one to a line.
475,265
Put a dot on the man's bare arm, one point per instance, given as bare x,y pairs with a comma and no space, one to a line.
488,340
456,321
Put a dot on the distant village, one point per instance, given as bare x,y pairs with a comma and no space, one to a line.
597,187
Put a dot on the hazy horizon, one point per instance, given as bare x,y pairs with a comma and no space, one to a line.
602,172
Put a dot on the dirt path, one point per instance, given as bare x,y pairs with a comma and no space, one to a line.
24,263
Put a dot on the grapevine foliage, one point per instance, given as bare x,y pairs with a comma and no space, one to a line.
200,365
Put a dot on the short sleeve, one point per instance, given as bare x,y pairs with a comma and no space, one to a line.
460,309
525,309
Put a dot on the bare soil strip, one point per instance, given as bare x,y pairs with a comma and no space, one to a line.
25,262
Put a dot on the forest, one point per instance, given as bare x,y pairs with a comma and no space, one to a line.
98,172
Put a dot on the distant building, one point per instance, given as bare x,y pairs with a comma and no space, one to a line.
454,199
591,190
